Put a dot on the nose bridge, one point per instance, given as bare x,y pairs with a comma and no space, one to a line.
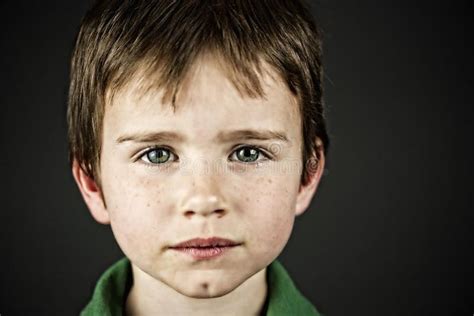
203,193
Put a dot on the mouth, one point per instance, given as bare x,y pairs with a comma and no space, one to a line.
206,248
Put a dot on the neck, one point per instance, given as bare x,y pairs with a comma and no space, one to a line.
149,296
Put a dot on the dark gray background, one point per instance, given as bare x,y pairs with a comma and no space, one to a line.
389,230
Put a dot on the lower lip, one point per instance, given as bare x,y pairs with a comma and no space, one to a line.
202,253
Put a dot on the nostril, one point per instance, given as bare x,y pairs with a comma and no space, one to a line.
220,212
188,214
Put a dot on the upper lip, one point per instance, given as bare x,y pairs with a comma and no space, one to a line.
206,242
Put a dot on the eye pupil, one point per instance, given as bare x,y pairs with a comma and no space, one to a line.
248,154
158,156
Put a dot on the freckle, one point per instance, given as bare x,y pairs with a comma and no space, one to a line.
148,205
269,180
247,199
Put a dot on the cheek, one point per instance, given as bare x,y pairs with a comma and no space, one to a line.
133,205
271,212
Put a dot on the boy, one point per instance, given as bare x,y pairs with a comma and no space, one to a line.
196,131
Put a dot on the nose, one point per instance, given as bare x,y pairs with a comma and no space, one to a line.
203,197
204,205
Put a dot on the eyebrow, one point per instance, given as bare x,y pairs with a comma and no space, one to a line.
148,137
223,137
251,135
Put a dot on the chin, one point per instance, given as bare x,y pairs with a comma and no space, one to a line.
203,293
206,288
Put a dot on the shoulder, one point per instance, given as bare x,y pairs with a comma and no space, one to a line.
111,290
283,296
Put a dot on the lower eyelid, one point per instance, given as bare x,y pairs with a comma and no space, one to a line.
160,166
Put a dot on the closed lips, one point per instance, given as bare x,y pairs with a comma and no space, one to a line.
206,243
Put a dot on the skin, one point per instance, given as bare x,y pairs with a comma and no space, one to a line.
203,190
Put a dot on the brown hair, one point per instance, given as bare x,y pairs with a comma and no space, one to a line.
117,38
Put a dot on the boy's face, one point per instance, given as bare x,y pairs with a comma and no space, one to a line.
200,181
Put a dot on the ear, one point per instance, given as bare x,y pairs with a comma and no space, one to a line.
306,192
91,193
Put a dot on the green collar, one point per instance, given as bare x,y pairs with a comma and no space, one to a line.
113,286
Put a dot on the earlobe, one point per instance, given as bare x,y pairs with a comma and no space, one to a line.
307,191
91,193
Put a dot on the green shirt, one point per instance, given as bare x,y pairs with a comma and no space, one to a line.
113,286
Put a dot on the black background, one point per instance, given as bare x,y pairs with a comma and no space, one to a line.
389,232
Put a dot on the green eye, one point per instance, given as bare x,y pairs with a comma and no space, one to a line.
247,154
157,155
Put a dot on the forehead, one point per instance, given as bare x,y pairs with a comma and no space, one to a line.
206,104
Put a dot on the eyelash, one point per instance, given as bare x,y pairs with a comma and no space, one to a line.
261,152
150,149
